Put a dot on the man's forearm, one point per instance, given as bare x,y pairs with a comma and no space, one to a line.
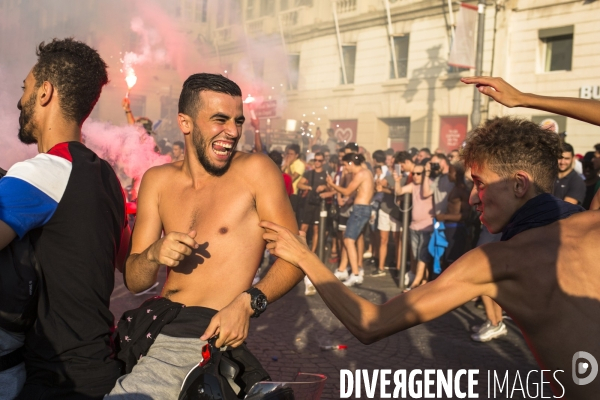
581,109
280,279
356,313
425,187
140,272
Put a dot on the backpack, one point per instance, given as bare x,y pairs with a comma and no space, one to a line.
20,274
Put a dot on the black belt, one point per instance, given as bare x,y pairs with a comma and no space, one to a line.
11,359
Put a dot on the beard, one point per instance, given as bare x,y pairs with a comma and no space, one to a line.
201,149
26,123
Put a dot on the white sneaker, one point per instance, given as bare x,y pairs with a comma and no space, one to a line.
341,275
353,280
409,277
489,333
310,290
367,254
477,328
361,272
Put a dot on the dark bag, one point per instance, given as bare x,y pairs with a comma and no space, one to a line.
313,197
20,278
223,375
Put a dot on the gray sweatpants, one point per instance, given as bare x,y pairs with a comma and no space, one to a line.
160,374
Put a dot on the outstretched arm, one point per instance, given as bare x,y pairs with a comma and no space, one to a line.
505,94
370,322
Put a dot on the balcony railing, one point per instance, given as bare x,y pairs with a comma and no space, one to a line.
289,17
345,6
223,34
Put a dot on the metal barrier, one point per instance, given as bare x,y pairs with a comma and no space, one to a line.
322,230
405,210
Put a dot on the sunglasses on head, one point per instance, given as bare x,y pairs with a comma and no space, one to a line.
319,160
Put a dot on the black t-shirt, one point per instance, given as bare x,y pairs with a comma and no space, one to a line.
70,342
570,186
315,179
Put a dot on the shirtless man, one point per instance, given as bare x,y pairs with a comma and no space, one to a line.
543,273
362,182
209,206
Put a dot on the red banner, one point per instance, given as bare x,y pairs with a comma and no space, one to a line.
345,130
267,109
453,131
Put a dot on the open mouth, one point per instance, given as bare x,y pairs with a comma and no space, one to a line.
222,149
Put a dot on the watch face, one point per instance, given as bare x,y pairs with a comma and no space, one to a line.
261,302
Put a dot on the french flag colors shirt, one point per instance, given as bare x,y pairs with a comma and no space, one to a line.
71,205
31,190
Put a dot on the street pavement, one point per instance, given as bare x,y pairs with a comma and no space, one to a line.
287,339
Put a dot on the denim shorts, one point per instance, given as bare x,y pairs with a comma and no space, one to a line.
419,241
357,221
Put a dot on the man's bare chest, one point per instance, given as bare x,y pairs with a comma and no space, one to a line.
206,209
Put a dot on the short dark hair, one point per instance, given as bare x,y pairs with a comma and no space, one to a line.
597,147
402,156
315,148
507,144
379,156
277,157
389,152
318,153
354,158
76,71
352,146
294,147
441,156
179,143
567,148
426,150
189,100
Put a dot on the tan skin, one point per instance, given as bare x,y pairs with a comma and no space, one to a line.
546,278
50,127
212,244
362,183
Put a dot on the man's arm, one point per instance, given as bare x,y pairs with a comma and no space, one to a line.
7,234
400,190
272,202
148,250
303,184
352,186
127,108
505,94
370,322
426,190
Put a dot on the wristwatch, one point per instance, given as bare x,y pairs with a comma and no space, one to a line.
258,301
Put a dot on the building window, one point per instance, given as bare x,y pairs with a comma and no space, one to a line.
401,52
349,55
169,108
250,9
267,7
558,48
293,71
285,4
201,10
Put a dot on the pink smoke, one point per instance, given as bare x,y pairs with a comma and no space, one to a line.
127,148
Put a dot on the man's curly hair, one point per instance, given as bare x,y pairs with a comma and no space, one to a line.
76,71
506,145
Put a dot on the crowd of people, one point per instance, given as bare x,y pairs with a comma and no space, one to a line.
209,217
